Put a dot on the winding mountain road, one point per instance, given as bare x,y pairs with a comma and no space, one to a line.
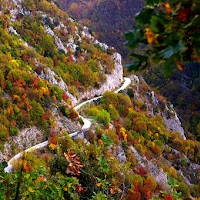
86,125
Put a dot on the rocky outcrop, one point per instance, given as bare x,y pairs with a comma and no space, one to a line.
17,8
189,171
63,124
54,79
120,154
71,44
26,138
57,40
113,80
103,45
85,33
12,30
153,104
173,123
1,157
154,170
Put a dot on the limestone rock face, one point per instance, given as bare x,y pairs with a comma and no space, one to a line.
103,45
174,124
12,30
57,40
120,154
135,79
113,80
53,79
27,137
157,106
1,157
154,170
71,44
63,124
16,10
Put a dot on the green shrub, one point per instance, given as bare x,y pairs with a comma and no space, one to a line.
93,111
132,160
55,90
130,92
4,121
113,113
8,85
184,189
113,136
13,132
65,111
184,162
58,164
3,132
103,117
37,111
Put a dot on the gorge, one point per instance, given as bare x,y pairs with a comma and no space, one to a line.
74,124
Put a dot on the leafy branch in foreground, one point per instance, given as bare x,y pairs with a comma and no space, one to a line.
169,31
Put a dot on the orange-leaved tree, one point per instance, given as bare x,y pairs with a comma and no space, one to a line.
169,33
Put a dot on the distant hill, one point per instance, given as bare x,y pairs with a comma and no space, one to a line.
108,19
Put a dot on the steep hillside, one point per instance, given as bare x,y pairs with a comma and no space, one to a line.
108,19
182,89
159,26
146,132
135,147
48,62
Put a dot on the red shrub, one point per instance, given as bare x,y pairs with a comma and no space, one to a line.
147,155
168,197
135,196
65,97
132,141
141,170
53,138
73,114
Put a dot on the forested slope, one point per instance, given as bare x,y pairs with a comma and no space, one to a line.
47,62
136,147
108,19
181,89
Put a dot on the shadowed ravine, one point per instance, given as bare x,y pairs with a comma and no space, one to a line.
86,125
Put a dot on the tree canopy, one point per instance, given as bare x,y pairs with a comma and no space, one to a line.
169,33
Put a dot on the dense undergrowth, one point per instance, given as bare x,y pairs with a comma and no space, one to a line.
103,164
26,99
